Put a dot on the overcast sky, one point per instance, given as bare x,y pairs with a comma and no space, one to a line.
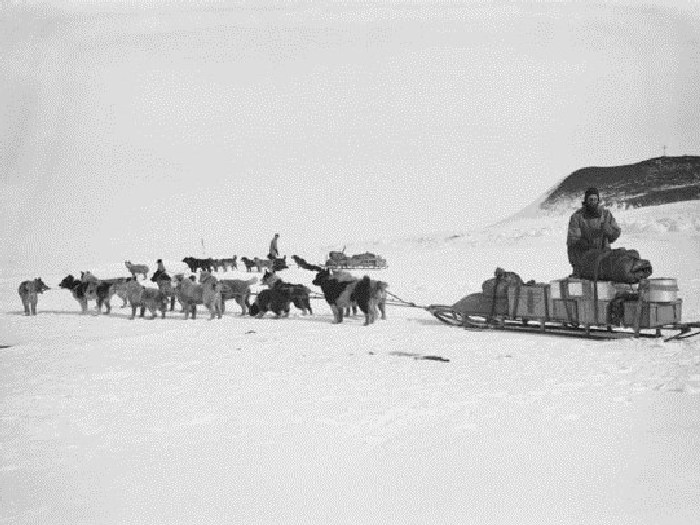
139,129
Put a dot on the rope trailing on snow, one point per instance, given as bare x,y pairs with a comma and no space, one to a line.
401,302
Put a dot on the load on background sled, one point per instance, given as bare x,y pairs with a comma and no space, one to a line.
365,260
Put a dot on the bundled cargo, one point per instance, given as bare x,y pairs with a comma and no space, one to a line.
619,265
483,305
600,309
493,300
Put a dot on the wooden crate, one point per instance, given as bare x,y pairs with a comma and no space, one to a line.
653,315
581,310
574,301
529,301
564,310
577,288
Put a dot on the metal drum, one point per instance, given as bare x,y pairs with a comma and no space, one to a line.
659,290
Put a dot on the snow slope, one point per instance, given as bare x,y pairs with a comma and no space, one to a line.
106,420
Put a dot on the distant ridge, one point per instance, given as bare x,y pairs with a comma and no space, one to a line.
660,180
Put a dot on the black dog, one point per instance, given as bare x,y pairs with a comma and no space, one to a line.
272,300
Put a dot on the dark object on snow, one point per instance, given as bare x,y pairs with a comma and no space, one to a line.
619,265
435,358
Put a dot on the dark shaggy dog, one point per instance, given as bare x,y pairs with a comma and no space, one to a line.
370,297
195,264
89,289
273,300
336,292
28,292
342,292
230,263
298,293
223,264
249,264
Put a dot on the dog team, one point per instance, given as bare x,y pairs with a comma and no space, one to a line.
341,290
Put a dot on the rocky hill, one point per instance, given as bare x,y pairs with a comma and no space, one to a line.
661,180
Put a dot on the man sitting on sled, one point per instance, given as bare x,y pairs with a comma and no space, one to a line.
592,227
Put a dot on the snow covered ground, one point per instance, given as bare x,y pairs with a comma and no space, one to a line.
239,420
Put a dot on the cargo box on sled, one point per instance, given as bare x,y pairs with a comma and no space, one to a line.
580,302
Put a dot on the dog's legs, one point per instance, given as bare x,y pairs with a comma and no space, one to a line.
194,311
133,311
108,307
172,304
374,311
34,303
337,314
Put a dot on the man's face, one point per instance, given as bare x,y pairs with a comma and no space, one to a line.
592,200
